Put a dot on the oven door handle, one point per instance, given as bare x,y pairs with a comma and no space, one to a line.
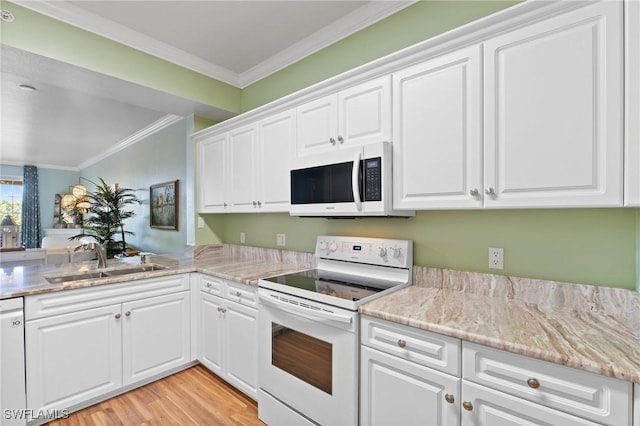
305,312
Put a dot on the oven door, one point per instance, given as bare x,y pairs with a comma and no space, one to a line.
307,361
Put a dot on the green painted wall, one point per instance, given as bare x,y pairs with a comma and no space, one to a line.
44,36
589,246
414,24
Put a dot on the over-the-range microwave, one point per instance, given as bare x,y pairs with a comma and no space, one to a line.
346,182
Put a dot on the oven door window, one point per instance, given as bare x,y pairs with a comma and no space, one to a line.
303,356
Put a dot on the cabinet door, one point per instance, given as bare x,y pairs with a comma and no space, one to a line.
317,125
212,174
73,358
398,392
488,407
242,169
241,347
553,119
632,105
156,336
365,113
210,333
276,136
437,133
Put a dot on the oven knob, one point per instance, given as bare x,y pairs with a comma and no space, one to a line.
332,247
383,252
396,252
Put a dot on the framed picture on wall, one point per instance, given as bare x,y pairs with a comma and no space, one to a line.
164,203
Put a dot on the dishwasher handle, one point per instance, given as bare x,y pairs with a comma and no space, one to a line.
304,311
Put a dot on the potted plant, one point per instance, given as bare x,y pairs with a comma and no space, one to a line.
108,210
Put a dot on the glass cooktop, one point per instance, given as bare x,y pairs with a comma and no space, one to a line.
349,287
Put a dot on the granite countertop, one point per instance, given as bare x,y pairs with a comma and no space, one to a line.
234,265
591,328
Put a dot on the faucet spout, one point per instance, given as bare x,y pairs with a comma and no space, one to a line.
97,247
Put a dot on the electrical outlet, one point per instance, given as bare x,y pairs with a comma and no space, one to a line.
496,258
281,239
243,237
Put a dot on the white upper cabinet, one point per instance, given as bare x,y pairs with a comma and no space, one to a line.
276,147
212,174
242,168
437,133
553,111
354,116
632,104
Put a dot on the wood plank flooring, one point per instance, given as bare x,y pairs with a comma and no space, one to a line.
191,397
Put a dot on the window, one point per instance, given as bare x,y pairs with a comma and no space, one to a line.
11,205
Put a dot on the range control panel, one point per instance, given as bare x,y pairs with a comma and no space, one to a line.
372,251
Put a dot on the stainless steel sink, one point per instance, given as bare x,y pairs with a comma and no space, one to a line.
136,269
77,277
104,273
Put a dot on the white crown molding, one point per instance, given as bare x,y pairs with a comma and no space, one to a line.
345,26
336,31
163,123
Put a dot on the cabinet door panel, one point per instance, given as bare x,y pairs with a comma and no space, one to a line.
74,357
399,392
553,111
365,113
212,174
156,336
275,149
242,176
632,105
241,348
317,123
437,142
210,332
493,408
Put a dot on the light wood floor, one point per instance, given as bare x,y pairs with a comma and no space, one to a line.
191,397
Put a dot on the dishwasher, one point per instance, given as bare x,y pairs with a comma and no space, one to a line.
12,373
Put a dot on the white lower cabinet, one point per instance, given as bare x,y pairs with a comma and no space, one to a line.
400,379
228,332
411,376
103,338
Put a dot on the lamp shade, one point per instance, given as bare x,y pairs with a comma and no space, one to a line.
68,201
7,221
79,191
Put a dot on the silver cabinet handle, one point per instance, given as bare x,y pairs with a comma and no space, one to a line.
208,285
474,192
402,343
254,204
128,313
490,191
221,309
224,204
332,141
238,293
118,316
340,139
259,203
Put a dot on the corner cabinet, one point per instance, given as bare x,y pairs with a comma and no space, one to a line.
553,100
246,169
530,118
86,344
351,117
415,377
227,334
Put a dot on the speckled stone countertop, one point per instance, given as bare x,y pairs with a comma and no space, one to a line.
592,328
237,263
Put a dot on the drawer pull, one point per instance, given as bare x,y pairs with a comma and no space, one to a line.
449,398
238,293
533,383
208,285
118,316
467,406
402,343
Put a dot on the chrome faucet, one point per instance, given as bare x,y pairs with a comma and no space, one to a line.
97,247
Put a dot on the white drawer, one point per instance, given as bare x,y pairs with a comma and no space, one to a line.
592,396
422,347
61,302
241,293
211,285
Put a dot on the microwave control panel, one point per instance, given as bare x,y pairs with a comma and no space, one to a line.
372,179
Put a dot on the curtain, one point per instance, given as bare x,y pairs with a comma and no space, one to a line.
31,229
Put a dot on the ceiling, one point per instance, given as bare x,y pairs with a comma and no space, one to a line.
76,117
